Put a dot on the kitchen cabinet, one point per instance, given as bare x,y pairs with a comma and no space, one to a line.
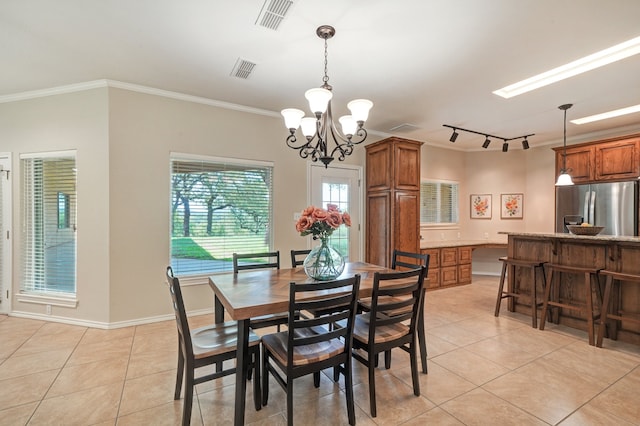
617,160
602,161
392,199
449,266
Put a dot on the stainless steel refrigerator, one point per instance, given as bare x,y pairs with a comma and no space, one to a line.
612,205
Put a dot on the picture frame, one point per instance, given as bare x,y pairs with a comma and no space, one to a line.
511,206
480,206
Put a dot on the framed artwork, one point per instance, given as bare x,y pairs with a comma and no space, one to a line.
480,206
511,206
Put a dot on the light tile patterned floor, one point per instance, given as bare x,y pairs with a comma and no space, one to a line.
482,371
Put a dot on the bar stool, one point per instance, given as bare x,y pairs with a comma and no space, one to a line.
613,280
586,308
514,294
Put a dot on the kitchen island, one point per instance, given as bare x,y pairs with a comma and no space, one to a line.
621,254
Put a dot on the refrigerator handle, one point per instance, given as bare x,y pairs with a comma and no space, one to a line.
592,208
585,207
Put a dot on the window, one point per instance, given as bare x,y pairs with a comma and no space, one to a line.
218,206
48,250
438,202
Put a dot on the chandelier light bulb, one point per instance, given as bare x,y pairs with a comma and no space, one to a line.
318,100
349,125
308,125
292,117
360,109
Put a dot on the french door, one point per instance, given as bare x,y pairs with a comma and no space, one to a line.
5,237
340,185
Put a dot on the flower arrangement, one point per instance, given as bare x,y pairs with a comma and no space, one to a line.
320,222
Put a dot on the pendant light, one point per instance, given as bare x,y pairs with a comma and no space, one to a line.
564,179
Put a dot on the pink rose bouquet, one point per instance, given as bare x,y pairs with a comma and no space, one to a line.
320,222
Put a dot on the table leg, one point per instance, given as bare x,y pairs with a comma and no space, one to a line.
241,370
218,310
218,315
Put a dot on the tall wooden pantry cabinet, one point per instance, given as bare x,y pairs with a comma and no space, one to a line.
393,199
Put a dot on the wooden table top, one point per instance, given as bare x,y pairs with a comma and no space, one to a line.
249,294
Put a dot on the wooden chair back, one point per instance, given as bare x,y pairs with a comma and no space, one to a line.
298,256
264,260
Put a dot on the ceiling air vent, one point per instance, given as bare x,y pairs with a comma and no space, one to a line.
404,127
272,13
242,68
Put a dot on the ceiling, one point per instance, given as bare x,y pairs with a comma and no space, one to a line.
423,63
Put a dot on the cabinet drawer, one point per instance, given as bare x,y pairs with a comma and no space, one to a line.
434,257
448,256
449,275
464,255
434,278
464,274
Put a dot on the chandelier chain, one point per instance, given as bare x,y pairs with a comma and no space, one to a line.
325,79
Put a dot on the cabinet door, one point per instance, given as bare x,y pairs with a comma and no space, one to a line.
464,255
378,167
449,275
464,273
448,256
378,229
434,257
407,165
434,278
406,223
617,160
580,163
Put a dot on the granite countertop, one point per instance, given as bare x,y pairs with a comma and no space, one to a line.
432,244
566,236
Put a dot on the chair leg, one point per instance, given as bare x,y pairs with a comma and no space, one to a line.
500,289
604,311
589,299
265,376
188,396
289,401
545,302
316,379
414,367
179,374
534,299
257,394
348,390
422,338
372,385
387,359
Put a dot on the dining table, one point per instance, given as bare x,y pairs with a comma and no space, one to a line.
250,294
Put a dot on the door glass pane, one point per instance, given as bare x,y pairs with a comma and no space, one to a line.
338,194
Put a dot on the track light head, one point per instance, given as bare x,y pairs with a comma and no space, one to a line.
505,147
454,136
525,143
486,143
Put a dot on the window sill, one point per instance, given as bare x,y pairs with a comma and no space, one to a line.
41,299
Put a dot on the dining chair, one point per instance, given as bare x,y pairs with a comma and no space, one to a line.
204,346
298,256
404,260
397,297
310,345
263,260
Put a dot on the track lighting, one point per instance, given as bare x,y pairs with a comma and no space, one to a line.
487,141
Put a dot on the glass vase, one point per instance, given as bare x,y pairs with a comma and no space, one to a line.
324,263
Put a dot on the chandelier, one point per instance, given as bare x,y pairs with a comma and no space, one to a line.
319,131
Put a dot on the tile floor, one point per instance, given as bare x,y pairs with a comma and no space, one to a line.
482,371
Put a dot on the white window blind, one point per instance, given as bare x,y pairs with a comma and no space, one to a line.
49,226
218,207
438,202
